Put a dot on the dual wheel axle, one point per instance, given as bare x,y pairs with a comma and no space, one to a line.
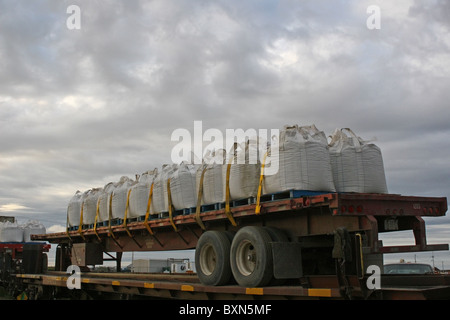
245,256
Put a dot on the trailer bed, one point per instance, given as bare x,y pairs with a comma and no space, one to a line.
188,287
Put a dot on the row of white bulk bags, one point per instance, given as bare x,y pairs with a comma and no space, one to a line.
303,162
245,170
13,232
140,193
357,164
110,199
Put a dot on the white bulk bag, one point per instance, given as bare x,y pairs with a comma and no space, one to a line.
140,193
90,205
244,171
183,188
32,227
74,208
104,206
357,165
11,232
304,162
214,180
160,201
120,196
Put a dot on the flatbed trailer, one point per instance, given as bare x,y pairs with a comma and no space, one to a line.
320,245
187,287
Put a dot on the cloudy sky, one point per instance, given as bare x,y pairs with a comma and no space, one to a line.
82,107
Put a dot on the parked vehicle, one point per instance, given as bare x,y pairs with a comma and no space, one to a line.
408,268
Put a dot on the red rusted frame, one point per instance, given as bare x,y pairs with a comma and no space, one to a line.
311,215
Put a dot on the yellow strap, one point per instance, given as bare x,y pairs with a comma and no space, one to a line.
261,177
361,254
169,198
199,201
227,196
111,233
147,213
96,219
80,228
125,216
127,208
67,225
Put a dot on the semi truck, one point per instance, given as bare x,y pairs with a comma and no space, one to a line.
288,245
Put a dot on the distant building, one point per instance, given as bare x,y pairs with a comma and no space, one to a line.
161,266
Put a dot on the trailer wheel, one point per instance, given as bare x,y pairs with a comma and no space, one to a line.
212,258
251,257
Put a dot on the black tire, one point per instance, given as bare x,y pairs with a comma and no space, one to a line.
212,258
251,257
277,235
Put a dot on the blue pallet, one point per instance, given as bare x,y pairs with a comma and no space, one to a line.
102,224
150,217
212,206
116,221
290,194
242,202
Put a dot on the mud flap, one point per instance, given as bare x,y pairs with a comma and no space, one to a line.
287,260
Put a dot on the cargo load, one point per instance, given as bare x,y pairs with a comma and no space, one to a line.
90,205
74,208
160,202
11,232
357,165
120,196
245,170
32,227
214,177
139,194
104,205
303,163
183,187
